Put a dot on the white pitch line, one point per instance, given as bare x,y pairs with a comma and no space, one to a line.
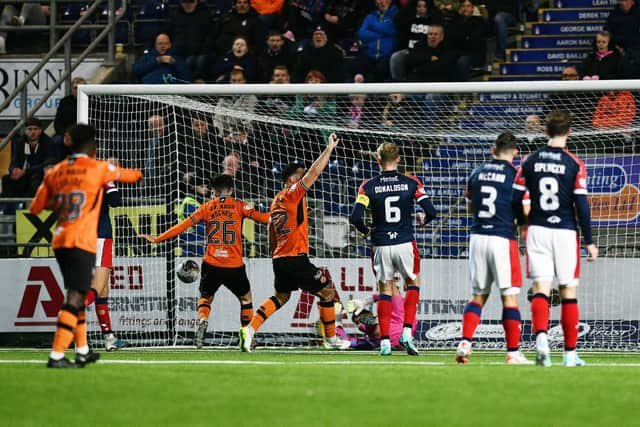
305,363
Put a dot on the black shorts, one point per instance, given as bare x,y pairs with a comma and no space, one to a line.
235,279
77,267
297,272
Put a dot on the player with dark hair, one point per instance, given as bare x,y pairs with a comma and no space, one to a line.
493,248
222,263
289,242
73,189
99,291
557,183
391,197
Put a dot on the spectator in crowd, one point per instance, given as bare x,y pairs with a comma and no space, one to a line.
533,137
278,104
238,57
397,112
229,126
241,21
319,108
200,156
378,35
623,23
356,113
342,17
303,16
154,168
67,112
197,192
431,60
280,75
187,25
30,14
449,10
269,12
275,53
320,56
581,105
246,178
28,155
466,33
161,63
604,62
503,14
412,23
615,110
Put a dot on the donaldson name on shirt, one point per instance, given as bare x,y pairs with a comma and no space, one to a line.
389,188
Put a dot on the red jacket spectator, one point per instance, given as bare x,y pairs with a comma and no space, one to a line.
615,110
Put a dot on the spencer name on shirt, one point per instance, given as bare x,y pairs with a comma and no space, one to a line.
549,167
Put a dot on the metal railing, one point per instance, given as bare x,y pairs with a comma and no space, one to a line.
65,41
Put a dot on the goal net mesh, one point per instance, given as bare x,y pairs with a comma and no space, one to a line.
181,141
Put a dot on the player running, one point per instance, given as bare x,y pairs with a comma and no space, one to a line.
73,189
222,263
390,197
289,240
557,183
99,291
493,248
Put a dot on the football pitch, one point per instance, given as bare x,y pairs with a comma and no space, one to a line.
185,387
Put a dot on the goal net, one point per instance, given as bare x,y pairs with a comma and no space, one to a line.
181,135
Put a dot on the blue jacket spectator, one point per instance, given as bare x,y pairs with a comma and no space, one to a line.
162,61
378,31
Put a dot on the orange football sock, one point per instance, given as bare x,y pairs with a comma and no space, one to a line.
204,307
81,330
268,307
246,313
328,316
67,322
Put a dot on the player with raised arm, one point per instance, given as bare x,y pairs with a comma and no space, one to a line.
557,183
493,248
391,197
289,241
73,189
99,291
222,263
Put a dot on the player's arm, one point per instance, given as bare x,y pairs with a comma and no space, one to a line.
321,162
112,195
172,232
261,217
584,218
357,213
584,212
425,203
272,238
41,200
190,221
519,190
116,173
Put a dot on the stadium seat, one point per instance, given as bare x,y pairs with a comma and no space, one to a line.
149,21
70,14
122,27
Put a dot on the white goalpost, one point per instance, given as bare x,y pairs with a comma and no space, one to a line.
181,135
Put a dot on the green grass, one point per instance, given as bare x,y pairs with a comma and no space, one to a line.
269,388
